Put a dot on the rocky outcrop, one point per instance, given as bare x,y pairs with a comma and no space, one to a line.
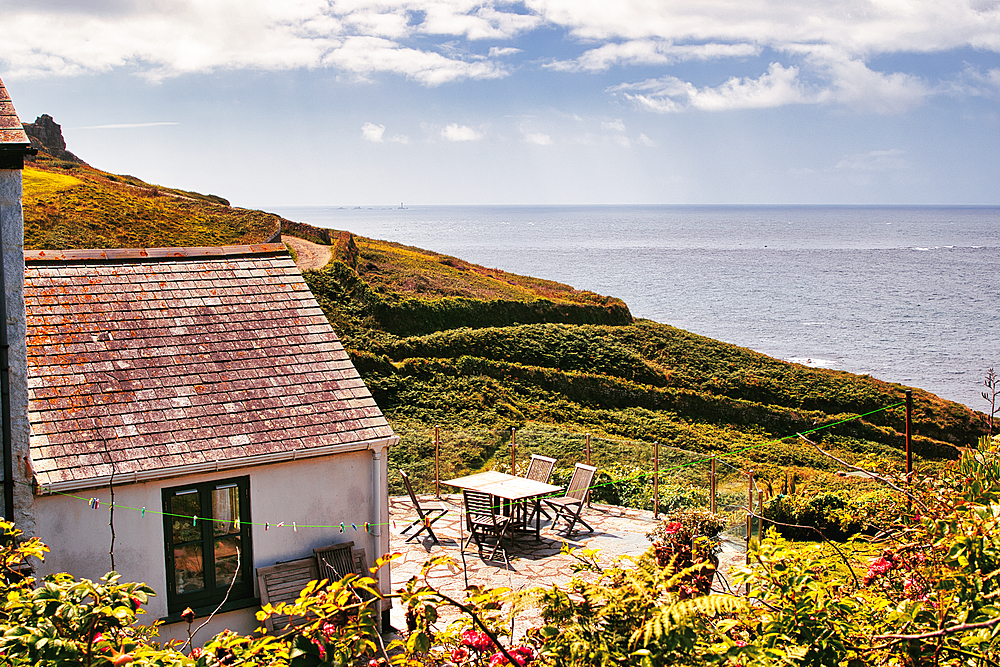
46,135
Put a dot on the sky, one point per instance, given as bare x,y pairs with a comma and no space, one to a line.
357,102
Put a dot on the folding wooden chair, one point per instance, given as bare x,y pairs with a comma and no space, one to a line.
483,518
425,516
283,583
539,470
569,506
335,561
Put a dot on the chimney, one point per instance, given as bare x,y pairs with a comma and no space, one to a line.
14,427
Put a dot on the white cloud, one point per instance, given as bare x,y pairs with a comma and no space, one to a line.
822,51
779,86
615,125
456,132
173,37
646,141
501,51
651,52
874,161
857,86
538,138
373,132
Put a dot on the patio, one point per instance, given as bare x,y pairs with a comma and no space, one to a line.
618,531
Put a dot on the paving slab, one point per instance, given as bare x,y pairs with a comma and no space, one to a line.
618,531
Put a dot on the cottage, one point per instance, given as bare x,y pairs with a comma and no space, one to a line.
206,391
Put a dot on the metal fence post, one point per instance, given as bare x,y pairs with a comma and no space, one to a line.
513,450
437,462
656,479
712,483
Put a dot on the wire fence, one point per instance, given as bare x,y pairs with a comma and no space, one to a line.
631,473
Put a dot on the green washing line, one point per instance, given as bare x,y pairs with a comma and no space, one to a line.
366,525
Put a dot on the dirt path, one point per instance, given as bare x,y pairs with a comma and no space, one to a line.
310,255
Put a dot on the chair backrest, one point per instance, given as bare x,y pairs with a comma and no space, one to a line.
540,468
283,583
335,561
413,496
583,475
479,503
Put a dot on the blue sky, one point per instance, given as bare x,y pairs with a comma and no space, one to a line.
316,102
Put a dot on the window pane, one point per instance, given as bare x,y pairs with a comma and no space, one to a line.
227,562
186,505
189,573
225,510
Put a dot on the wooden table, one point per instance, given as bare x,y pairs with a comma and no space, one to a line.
516,490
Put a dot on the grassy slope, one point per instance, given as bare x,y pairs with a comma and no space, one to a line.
70,205
639,381
441,341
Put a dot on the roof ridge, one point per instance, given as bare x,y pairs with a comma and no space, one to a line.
151,254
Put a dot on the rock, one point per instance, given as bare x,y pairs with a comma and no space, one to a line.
46,135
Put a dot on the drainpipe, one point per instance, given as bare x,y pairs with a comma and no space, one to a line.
380,516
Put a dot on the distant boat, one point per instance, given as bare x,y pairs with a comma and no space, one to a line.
401,206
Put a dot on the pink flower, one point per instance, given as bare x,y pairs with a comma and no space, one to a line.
329,629
877,569
460,655
479,641
322,649
672,527
522,655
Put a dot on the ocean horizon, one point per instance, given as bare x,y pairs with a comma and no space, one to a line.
903,293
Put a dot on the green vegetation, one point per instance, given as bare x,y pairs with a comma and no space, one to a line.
71,205
478,351
922,593
441,342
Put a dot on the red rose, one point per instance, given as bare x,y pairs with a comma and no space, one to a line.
672,527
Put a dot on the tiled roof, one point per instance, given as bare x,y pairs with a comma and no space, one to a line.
160,359
11,131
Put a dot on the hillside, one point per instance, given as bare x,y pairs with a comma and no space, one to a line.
442,342
478,351
69,204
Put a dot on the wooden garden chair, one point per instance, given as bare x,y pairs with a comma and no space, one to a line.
425,516
482,518
539,470
571,505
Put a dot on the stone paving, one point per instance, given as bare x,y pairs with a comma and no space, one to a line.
618,531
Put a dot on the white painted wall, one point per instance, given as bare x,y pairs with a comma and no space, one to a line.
313,491
12,229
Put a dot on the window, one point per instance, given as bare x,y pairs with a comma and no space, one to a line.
207,531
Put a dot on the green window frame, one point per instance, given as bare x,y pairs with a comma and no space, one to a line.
207,533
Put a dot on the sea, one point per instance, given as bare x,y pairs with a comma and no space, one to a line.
903,293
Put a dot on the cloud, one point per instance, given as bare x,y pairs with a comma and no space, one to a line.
861,88
779,86
646,141
376,134
538,138
822,52
173,37
500,51
373,132
651,52
122,126
456,132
